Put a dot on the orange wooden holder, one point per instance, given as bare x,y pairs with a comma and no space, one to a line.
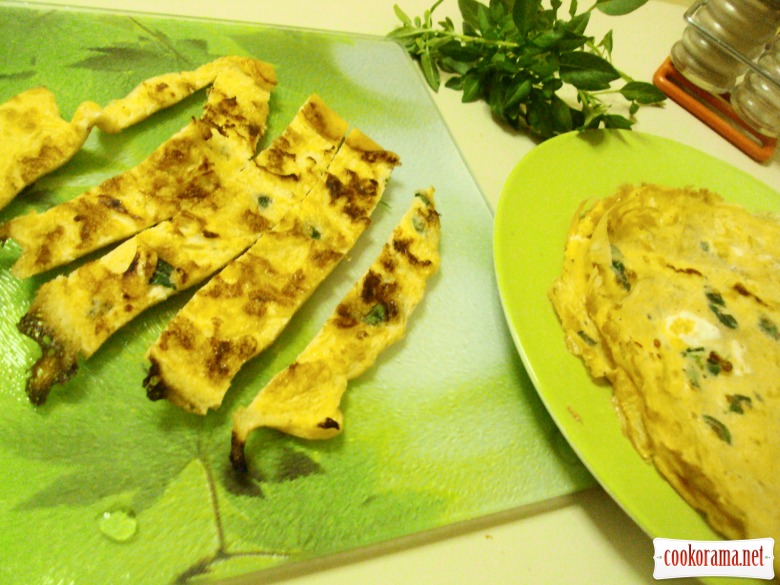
715,111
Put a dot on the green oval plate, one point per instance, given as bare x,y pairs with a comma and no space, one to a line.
532,219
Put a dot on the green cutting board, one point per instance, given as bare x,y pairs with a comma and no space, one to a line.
100,485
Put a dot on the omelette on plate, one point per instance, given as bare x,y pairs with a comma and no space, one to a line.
673,296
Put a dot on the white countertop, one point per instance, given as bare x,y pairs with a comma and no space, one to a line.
584,538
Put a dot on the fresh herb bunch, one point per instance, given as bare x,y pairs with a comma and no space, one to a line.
517,56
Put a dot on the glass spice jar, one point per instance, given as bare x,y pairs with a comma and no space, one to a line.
702,55
756,98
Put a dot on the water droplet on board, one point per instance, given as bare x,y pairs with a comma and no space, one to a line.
118,525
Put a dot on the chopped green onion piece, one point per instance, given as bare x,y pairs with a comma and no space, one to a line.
619,268
162,274
770,328
693,376
737,400
716,299
693,350
586,338
377,315
719,428
424,199
725,318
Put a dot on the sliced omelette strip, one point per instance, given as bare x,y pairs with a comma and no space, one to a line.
157,93
185,169
72,316
36,140
303,400
240,311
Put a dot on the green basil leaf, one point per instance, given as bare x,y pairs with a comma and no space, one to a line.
496,100
523,14
469,30
546,68
550,86
447,25
459,51
615,121
472,88
578,23
497,10
548,39
402,16
642,92
469,10
453,66
561,115
587,71
572,42
430,71
606,42
519,92
618,7
538,115
427,21
484,22
456,82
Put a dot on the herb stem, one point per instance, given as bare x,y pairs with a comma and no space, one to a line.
428,32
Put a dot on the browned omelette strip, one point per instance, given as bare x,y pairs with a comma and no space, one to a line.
246,306
162,91
71,317
303,400
185,169
36,140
